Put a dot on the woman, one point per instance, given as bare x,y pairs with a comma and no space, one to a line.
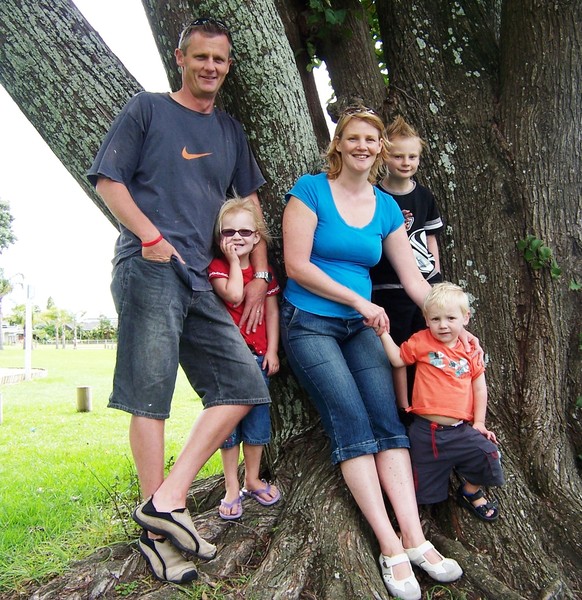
335,226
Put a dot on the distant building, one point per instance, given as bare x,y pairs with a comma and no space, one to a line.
91,323
12,334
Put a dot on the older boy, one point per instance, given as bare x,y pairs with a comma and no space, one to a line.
423,224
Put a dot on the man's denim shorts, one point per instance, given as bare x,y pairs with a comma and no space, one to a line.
342,366
163,323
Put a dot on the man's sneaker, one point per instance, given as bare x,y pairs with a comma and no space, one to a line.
165,561
176,525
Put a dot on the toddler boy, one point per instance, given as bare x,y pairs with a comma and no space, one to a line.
449,401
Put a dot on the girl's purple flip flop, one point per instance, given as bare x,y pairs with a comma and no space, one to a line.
256,494
235,515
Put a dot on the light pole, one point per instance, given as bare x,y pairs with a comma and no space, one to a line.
27,325
28,334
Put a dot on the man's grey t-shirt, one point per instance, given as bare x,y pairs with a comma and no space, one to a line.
179,166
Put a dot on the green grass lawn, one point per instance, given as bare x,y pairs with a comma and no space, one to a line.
60,470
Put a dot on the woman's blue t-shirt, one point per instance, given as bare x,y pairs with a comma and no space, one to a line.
342,251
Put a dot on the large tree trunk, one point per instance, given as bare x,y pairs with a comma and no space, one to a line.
292,13
347,49
166,21
501,121
70,99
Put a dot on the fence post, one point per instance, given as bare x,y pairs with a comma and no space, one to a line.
83,399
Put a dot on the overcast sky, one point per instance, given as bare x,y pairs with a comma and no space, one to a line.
65,244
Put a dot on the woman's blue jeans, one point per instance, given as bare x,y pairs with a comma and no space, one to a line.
343,367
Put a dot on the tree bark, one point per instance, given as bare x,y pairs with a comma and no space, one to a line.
349,55
501,121
166,21
292,13
64,78
497,97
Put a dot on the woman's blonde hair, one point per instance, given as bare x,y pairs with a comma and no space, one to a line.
334,158
445,295
238,204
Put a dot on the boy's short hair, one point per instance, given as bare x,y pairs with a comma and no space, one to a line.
400,128
445,294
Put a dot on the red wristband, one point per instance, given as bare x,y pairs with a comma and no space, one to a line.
153,242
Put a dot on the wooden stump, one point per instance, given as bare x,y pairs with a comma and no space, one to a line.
83,399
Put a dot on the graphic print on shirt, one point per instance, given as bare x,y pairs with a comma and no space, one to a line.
436,359
440,361
188,156
408,219
460,368
419,247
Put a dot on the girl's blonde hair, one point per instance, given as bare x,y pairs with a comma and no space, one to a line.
238,204
445,295
334,158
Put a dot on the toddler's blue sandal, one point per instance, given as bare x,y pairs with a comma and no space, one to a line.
481,512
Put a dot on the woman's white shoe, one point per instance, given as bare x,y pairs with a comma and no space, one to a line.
445,570
407,588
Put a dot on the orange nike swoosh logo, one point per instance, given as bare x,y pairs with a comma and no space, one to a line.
188,156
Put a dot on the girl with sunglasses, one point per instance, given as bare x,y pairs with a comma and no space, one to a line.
239,228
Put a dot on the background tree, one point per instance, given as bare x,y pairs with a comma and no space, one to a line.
5,289
494,87
7,236
17,315
105,330
57,324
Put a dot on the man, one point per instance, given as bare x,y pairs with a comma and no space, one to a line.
164,169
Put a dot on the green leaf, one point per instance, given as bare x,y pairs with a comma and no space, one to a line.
330,16
545,253
535,243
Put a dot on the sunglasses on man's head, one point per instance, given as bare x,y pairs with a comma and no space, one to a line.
203,20
220,25
355,110
241,232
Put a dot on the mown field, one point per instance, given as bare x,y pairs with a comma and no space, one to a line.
67,483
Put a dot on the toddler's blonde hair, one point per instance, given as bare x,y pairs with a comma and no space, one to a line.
445,294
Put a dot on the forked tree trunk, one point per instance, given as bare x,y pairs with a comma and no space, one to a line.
502,122
348,52
68,101
501,111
